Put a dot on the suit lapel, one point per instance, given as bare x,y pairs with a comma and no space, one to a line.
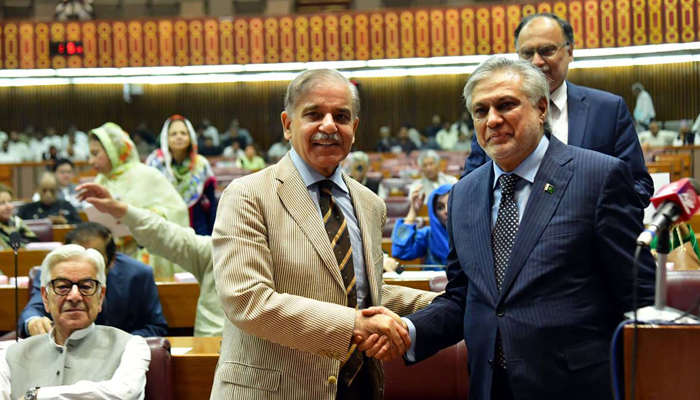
364,220
482,237
540,208
295,197
578,114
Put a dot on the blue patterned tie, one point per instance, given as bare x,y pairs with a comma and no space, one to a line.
502,237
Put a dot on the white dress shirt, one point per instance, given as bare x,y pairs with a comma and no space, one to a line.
559,113
128,382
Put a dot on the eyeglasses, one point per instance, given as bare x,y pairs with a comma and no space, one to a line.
86,287
546,50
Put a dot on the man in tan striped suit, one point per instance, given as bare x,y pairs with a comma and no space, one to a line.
297,252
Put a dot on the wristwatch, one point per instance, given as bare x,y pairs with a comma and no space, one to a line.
30,394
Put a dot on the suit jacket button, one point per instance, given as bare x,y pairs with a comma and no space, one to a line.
500,312
332,380
490,362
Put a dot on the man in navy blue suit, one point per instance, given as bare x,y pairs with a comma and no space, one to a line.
541,252
581,117
131,303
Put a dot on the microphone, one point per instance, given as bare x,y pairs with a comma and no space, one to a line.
675,202
15,242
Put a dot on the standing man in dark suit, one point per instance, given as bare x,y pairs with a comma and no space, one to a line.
541,252
581,117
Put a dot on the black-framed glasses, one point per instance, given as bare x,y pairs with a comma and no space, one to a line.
86,287
545,51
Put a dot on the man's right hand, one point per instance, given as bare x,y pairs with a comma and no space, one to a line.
40,325
380,333
100,197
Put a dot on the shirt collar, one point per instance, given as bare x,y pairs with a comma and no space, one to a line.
559,97
76,335
527,169
310,176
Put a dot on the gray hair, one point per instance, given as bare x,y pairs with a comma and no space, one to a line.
73,252
358,156
428,154
384,129
535,84
45,175
637,86
306,80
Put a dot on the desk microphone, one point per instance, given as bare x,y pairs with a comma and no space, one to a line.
675,202
15,242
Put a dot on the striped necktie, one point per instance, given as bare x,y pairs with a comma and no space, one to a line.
339,235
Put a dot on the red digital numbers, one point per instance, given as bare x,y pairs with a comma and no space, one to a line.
61,48
70,48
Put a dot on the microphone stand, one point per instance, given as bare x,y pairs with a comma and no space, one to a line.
15,247
659,311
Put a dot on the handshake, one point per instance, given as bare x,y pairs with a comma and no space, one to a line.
380,333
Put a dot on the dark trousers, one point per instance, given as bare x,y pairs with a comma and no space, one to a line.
500,385
361,387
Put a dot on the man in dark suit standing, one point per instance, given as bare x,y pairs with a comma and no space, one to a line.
581,117
541,252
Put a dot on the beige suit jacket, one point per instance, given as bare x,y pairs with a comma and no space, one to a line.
288,327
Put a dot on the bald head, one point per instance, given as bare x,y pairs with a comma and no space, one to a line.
47,188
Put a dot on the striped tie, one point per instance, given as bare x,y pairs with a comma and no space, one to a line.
338,234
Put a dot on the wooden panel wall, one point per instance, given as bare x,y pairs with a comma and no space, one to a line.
675,89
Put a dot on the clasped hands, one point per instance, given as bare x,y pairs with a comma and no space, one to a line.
380,333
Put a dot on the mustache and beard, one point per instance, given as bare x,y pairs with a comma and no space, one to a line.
327,137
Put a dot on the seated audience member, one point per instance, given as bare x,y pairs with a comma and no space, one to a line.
429,162
72,151
430,242
234,150
205,145
76,359
142,146
358,166
465,125
404,142
235,132
65,173
131,304
79,138
115,158
9,222
278,150
51,154
52,138
18,148
189,172
644,112
250,161
211,132
145,132
685,136
7,156
447,137
435,125
386,142
464,143
180,245
656,137
50,205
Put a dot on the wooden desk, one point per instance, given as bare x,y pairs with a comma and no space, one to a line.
60,232
193,373
25,261
667,362
7,306
179,302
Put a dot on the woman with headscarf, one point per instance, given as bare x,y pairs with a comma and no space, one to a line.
430,242
10,223
116,160
189,172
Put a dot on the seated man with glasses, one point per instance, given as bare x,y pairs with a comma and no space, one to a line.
132,303
76,359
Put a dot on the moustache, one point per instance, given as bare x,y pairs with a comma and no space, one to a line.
326,136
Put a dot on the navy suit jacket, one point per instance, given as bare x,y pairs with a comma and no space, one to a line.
568,280
598,121
131,304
